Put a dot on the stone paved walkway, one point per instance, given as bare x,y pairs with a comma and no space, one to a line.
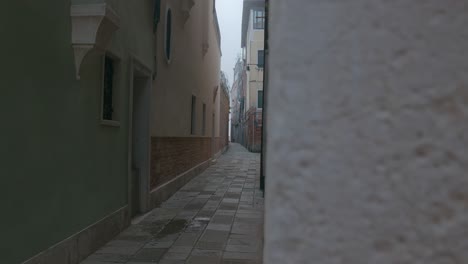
216,218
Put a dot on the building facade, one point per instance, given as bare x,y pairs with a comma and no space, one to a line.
98,116
186,107
237,103
253,26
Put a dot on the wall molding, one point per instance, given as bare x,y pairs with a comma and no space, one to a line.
92,28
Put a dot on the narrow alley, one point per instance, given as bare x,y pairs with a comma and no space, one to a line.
216,218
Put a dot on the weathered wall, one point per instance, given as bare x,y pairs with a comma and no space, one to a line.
172,156
62,170
374,170
189,72
255,42
253,130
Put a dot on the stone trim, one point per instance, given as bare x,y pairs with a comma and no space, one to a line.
80,245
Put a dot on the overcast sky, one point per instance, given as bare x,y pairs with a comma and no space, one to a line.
230,19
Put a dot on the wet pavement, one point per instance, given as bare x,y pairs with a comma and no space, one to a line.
216,218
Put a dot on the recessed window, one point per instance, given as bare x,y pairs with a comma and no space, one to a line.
204,120
259,19
261,59
108,89
156,14
168,35
260,99
193,115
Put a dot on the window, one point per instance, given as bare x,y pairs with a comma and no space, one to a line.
259,19
260,99
157,14
108,89
193,115
204,120
261,58
168,36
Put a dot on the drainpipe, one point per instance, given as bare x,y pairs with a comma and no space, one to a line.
265,100
253,129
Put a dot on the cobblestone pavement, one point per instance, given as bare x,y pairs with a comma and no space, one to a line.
216,218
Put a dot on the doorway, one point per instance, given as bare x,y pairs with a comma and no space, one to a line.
140,141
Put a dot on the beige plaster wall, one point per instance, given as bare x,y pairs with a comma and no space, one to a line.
190,72
254,43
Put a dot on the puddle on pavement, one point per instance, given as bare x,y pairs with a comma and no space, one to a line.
173,227
153,229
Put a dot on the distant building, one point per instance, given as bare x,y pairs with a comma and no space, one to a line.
253,55
237,103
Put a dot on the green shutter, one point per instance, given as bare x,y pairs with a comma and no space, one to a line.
157,14
260,99
261,59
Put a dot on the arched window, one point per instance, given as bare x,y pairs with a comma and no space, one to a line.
168,36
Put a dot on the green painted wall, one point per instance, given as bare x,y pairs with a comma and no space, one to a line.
61,170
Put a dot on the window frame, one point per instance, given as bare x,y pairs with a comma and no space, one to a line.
262,65
258,99
114,120
193,116
204,120
258,21
156,14
168,35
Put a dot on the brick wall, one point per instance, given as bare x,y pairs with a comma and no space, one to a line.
253,130
171,156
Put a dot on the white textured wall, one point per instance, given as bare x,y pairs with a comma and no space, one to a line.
367,132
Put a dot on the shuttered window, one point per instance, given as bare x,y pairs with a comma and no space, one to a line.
193,115
157,14
259,19
108,89
261,58
168,36
260,99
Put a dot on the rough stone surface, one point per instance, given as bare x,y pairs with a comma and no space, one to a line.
374,170
215,218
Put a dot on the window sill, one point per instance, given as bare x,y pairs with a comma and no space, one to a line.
111,123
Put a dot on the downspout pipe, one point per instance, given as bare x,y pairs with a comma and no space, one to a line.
265,102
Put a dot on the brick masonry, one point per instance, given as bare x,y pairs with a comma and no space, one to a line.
171,156
253,130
